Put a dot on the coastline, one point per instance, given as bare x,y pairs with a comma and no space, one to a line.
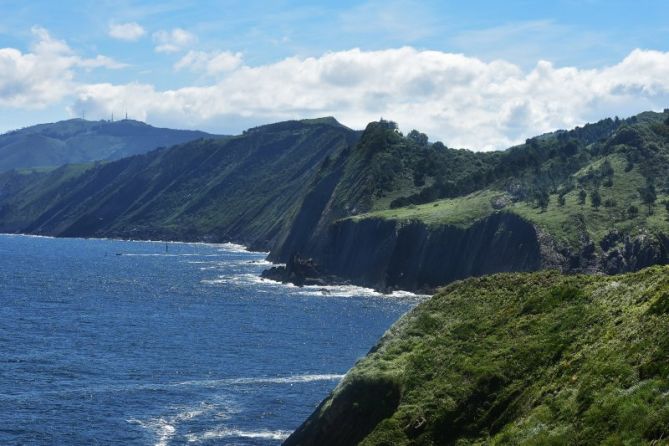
328,286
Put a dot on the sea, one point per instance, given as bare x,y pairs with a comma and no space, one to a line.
154,343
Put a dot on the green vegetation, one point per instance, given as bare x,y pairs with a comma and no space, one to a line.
530,359
567,187
240,188
80,141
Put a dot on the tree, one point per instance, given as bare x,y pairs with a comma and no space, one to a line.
610,203
633,211
418,137
606,169
596,199
648,195
582,194
543,199
561,200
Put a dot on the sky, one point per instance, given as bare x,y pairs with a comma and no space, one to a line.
477,74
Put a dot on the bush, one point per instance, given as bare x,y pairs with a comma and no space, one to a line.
595,199
633,211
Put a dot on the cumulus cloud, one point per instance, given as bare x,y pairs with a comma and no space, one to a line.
129,32
461,100
212,63
43,75
173,41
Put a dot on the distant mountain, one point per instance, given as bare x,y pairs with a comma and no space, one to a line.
242,188
81,141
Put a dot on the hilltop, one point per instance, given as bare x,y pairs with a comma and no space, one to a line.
522,359
80,141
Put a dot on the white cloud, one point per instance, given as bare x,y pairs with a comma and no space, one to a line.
45,74
129,32
461,100
173,41
212,63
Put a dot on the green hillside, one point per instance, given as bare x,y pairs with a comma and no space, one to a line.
517,359
240,188
81,141
615,169
400,212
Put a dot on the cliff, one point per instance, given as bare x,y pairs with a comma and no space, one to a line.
412,255
382,215
242,188
536,358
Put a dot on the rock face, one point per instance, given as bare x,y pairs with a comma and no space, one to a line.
624,253
345,423
387,255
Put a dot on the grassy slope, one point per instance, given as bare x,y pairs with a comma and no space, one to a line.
533,359
562,222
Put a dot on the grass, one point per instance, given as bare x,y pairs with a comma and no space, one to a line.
529,359
567,223
461,211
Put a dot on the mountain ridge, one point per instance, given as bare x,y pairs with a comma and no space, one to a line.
80,141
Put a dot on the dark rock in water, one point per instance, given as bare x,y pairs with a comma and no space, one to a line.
301,271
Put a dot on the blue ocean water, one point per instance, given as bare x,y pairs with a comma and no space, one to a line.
143,343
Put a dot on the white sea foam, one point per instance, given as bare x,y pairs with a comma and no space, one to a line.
26,235
232,247
160,427
167,254
164,428
311,290
237,433
292,379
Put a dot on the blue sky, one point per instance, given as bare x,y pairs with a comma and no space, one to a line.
184,46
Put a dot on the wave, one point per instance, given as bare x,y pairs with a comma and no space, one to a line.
167,254
312,290
164,428
25,235
232,247
293,379
238,433
211,383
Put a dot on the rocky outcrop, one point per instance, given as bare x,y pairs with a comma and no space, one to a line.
301,271
625,253
390,254
387,255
